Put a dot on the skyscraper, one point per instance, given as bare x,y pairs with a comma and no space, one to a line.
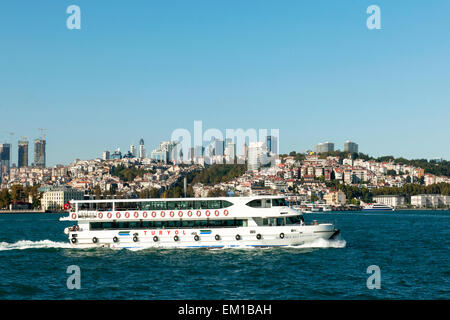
5,157
256,151
141,148
272,144
133,150
351,147
39,153
325,147
22,159
106,155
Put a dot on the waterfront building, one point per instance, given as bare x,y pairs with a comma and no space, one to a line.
430,200
390,200
55,198
351,147
39,153
106,155
141,149
325,147
335,198
22,159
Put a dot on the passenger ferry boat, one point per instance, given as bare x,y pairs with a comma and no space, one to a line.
377,207
262,221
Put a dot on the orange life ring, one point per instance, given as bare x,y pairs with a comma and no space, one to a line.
74,216
189,213
109,215
154,214
172,213
162,214
127,214
118,215
136,214
225,212
216,213
145,214
207,213
199,213
180,213
100,215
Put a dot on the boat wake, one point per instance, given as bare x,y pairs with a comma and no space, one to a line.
323,243
27,244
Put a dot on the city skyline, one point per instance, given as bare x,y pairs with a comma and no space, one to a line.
314,71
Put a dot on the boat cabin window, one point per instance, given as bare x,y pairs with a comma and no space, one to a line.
184,205
279,202
260,203
281,221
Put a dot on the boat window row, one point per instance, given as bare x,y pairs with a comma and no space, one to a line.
267,203
156,205
168,224
282,221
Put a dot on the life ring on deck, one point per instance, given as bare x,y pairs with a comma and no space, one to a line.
196,238
225,212
258,236
145,214
176,238
217,237
74,216
171,214
115,239
94,240
217,213
238,237
155,238
162,214
199,213
136,214
127,214
118,215
154,214
109,215
100,215
189,213
282,235
180,213
135,239
73,240
208,213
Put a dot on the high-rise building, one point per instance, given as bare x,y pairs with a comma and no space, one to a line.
230,151
351,147
22,159
39,152
164,152
218,146
256,151
272,144
5,157
106,155
325,147
141,149
133,150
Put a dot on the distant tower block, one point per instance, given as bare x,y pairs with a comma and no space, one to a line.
141,148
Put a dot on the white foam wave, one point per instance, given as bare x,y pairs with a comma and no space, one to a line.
27,244
324,243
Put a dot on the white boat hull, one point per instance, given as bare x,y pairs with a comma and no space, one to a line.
269,237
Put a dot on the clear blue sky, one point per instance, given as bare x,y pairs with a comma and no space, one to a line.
144,68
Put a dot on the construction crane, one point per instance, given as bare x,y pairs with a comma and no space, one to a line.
42,130
11,135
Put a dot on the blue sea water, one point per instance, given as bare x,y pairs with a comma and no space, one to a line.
411,248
